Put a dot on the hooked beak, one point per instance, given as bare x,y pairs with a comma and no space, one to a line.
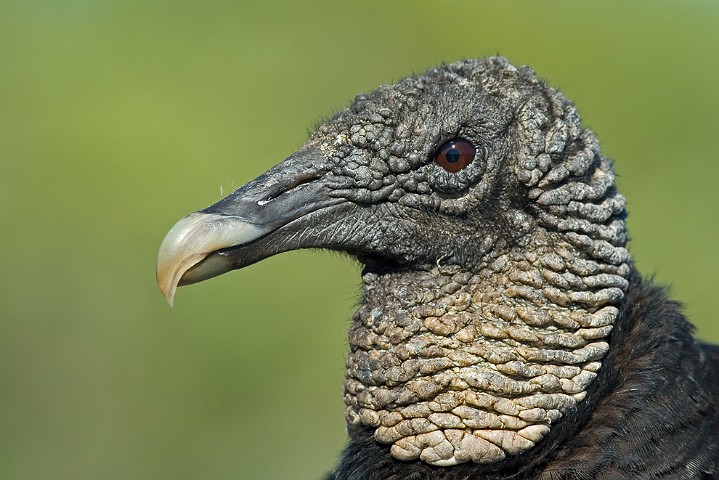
264,217
194,239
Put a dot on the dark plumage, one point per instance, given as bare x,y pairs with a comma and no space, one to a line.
504,331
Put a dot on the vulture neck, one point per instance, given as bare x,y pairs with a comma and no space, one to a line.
451,366
654,371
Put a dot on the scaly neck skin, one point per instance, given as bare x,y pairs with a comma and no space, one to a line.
653,394
450,366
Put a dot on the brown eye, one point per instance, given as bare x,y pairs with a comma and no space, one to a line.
455,155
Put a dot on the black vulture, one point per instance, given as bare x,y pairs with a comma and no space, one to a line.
503,331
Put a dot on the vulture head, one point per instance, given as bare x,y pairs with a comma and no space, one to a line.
493,244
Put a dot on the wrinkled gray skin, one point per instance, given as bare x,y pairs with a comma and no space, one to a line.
489,294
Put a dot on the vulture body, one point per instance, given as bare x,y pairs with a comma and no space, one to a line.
504,331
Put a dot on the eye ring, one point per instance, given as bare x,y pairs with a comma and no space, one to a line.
455,155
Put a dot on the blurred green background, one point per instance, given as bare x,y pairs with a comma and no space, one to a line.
119,117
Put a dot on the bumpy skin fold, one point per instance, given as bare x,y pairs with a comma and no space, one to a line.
504,331
651,413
